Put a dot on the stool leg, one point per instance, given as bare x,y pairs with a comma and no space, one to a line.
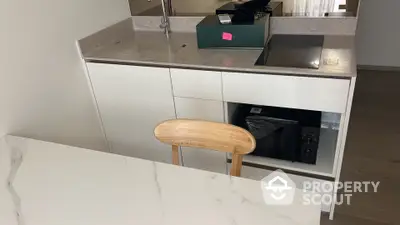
236,164
175,155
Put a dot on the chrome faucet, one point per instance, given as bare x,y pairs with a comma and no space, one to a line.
167,11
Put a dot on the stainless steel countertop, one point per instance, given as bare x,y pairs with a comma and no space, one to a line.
122,44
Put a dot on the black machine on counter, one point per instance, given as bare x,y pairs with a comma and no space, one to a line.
282,133
247,25
261,8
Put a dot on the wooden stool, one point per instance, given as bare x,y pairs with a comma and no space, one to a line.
205,134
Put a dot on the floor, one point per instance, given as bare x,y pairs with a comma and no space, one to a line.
373,151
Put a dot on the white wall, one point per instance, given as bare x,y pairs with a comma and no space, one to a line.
378,33
43,89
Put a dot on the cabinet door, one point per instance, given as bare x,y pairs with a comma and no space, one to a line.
132,100
204,159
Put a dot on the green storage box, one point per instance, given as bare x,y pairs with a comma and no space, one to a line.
212,34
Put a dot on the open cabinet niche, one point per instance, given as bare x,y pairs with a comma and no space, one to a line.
326,153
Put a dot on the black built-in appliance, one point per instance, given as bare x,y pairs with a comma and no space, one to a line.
282,133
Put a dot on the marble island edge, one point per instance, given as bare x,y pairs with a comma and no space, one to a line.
59,184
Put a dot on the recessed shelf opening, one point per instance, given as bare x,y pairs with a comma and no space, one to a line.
285,141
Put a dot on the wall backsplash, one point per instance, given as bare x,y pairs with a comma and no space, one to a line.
138,6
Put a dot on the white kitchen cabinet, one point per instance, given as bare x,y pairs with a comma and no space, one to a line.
132,100
197,84
210,110
321,94
192,108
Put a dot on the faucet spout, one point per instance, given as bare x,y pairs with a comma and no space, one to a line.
165,24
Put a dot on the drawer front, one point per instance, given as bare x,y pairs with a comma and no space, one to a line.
321,94
196,84
191,108
259,174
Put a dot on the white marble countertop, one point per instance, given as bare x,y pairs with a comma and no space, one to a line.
122,44
51,184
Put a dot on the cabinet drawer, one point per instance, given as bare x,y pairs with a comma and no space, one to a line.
321,94
191,108
196,84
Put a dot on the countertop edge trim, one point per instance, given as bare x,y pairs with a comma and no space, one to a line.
208,68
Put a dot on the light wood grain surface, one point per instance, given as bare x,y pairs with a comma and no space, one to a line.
206,134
